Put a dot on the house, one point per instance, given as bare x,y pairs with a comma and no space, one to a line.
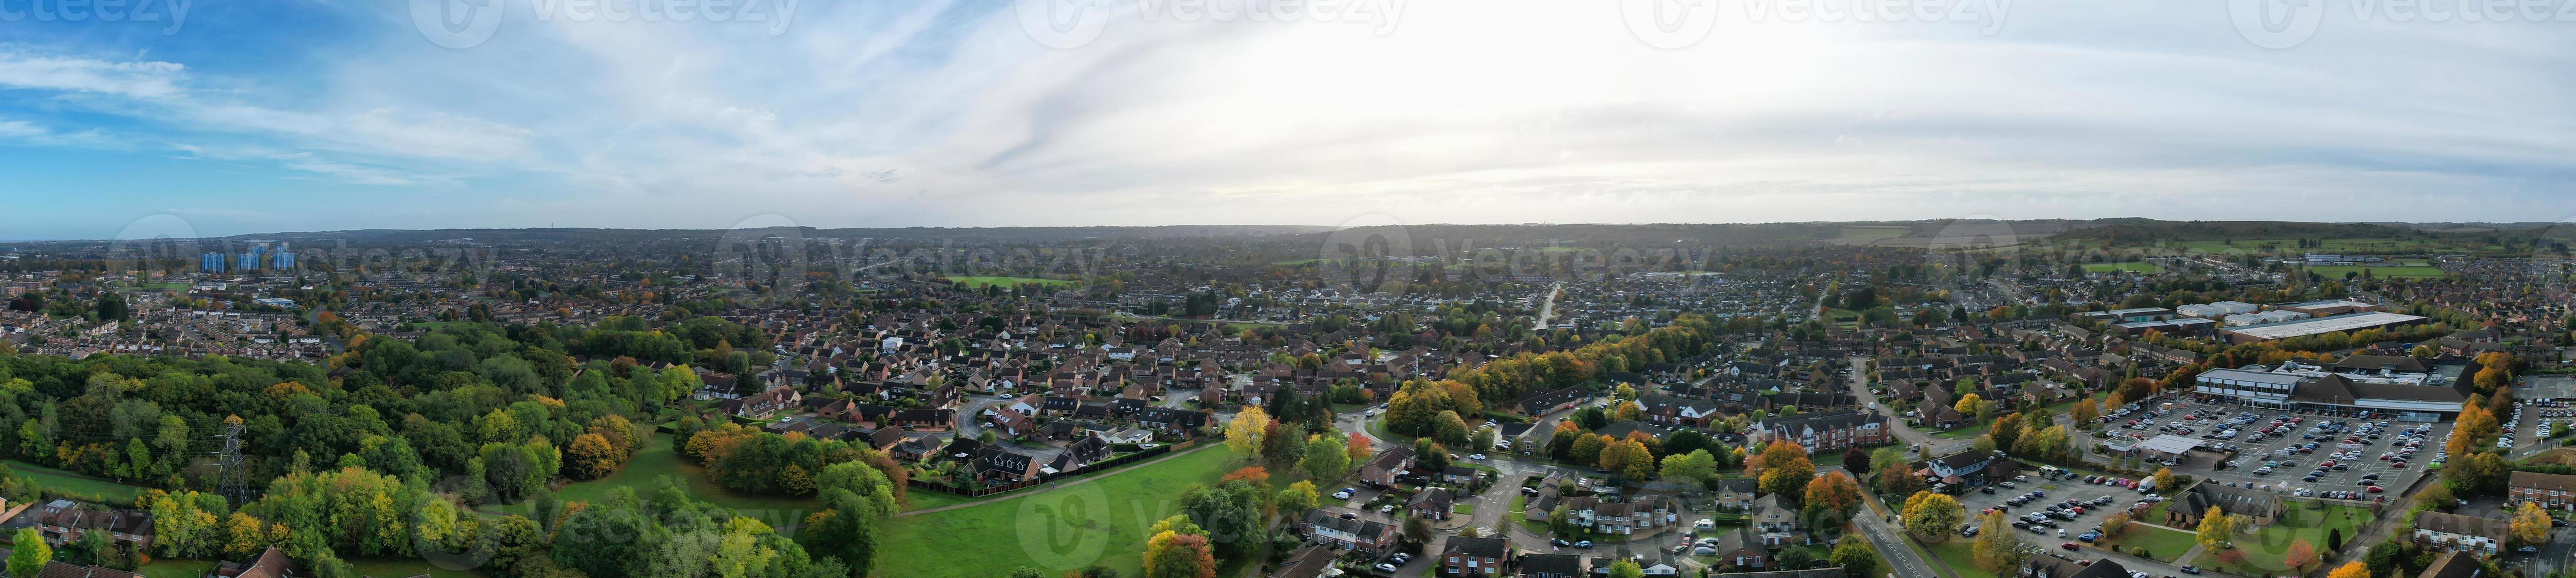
2262,506
2051,566
1739,548
760,405
1431,504
62,521
1824,431
1127,435
1182,422
2452,565
1382,469
1306,562
1659,566
2552,491
1464,556
68,570
1009,424
1552,566
1735,493
1966,468
1777,522
1348,534
2457,533
271,563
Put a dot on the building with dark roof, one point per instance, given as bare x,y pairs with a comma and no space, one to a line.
2553,491
1824,431
1464,556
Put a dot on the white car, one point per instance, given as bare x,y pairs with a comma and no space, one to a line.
1477,457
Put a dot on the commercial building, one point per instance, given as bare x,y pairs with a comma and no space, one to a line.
2349,322
2328,307
2217,310
211,263
2408,390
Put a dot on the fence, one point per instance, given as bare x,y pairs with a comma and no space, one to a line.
1089,469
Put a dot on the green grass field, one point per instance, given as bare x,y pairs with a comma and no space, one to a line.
981,281
1957,554
2403,271
656,460
1066,528
407,567
2264,549
2134,266
62,484
1872,233
2160,543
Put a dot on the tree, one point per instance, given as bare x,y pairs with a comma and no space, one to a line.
1784,469
2382,558
1697,467
1625,568
1298,497
1856,461
1996,548
2530,524
2476,474
1326,459
2164,479
2215,528
1855,556
2300,555
1930,517
1794,558
2115,524
2085,412
1180,556
1245,433
2350,570
1419,530
1449,428
1587,448
1967,404
1357,447
1835,491
29,554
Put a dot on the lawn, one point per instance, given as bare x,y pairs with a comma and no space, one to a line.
2140,267
656,460
1957,554
2160,543
407,567
172,568
62,484
2403,271
982,281
2263,551
1066,528
1463,509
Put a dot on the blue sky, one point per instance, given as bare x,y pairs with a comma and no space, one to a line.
294,115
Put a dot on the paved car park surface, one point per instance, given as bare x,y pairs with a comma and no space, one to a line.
2052,492
2534,420
2368,449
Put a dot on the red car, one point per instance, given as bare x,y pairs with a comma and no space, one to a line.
2371,489
2070,546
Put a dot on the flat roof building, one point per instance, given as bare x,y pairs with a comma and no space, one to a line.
2319,326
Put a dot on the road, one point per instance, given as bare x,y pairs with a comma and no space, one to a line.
1548,309
1858,375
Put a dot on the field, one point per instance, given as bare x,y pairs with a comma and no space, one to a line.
1065,528
980,281
656,460
2160,543
62,484
2141,267
2402,271
2263,550
1957,554
1872,233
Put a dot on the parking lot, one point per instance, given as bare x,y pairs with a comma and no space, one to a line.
2355,452
2534,420
2056,520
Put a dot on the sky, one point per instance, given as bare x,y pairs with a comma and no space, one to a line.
220,117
